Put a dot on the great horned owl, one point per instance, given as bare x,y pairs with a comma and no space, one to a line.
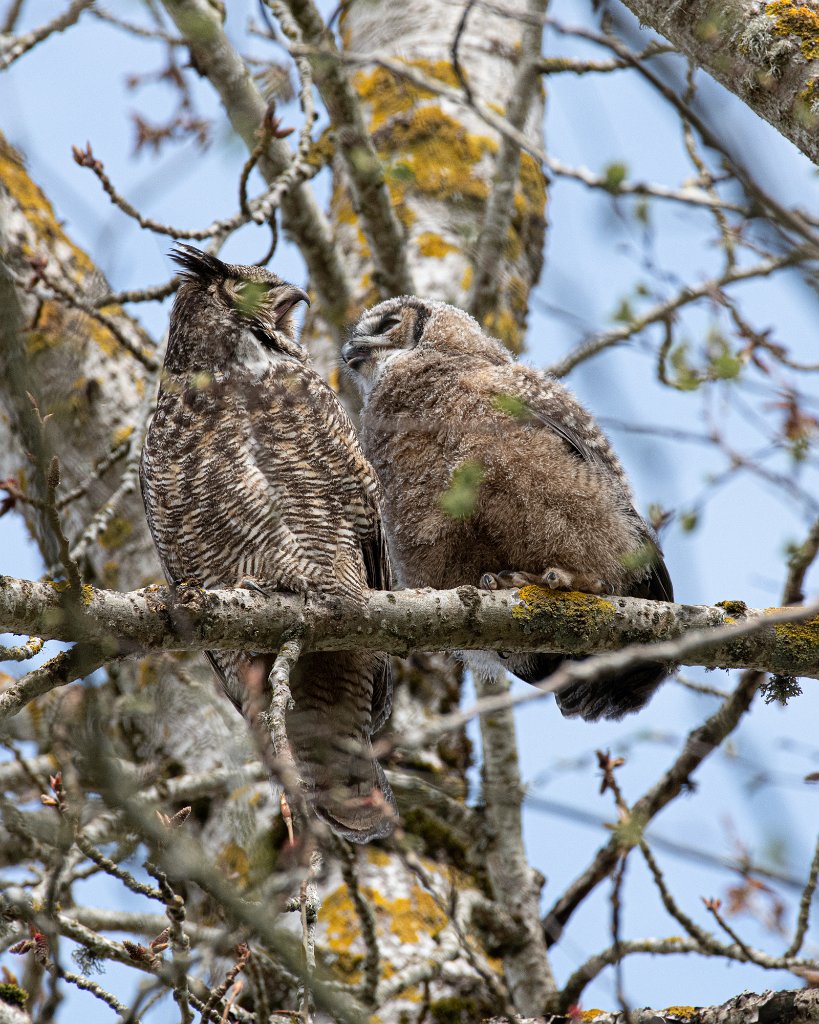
494,474
252,475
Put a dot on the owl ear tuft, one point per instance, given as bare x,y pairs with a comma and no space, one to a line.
196,264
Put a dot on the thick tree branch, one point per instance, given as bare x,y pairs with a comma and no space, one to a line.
417,620
762,52
483,296
798,1006
515,886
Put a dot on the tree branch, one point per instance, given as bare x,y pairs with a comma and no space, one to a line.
483,296
193,619
371,199
756,51
216,58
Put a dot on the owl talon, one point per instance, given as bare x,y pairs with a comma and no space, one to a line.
248,583
562,579
508,580
489,581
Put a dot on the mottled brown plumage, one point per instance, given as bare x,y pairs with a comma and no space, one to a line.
252,475
494,473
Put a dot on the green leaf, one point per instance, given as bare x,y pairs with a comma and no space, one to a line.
614,175
460,499
512,406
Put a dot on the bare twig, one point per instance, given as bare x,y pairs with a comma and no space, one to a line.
663,310
804,907
18,45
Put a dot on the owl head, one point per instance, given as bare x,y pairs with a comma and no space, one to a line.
225,314
408,328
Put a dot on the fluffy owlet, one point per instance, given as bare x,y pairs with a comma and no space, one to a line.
495,475
252,475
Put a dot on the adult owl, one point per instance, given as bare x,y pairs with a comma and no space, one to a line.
252,476
494,474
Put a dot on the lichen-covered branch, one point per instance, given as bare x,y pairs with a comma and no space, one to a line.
796,1006
784,641
765,53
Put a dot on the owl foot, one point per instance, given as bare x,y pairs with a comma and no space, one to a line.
551,579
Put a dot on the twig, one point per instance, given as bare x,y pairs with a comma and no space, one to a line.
663,310
72,571
454,55
799,562
22,44
703,939
180,944
216,995
712,906
616,907
309,907
30,649
114,870
804,907
699,744
366,918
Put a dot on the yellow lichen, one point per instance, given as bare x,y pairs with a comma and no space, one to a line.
118,530
681,1011
434,246
412,916
504,325
234,862
793,19
536,600
589,1015
377,857
800,640
122,434
38,210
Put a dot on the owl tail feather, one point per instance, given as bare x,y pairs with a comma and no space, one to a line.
339,775
368,815
608,697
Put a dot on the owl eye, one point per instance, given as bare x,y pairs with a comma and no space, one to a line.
386,323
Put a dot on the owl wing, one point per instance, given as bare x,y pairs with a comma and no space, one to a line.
548,404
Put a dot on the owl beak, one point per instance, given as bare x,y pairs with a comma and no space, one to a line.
287,299
355,353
